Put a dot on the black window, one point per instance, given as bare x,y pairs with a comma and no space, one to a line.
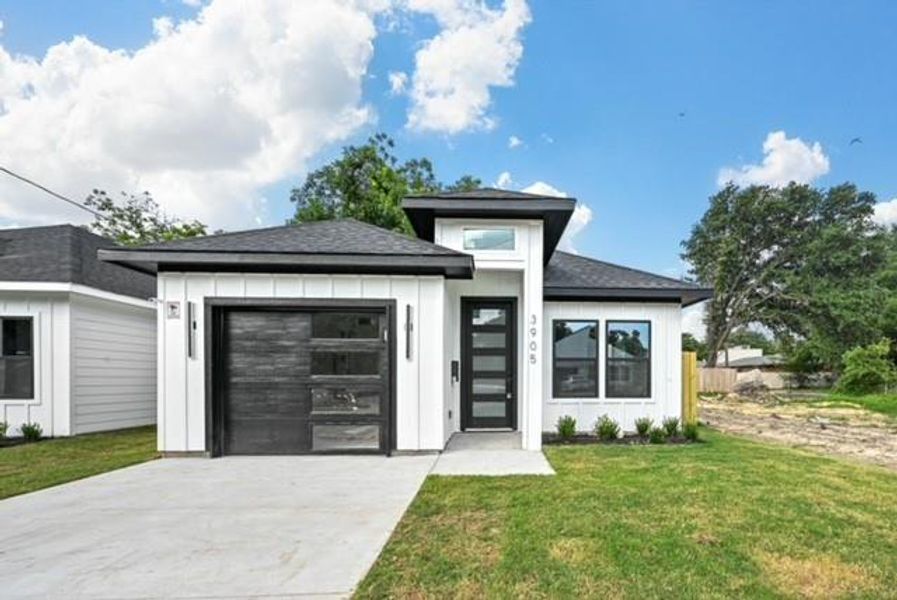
575,355
17,358
628,370
340,325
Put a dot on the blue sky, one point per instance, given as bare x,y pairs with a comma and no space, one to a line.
597,101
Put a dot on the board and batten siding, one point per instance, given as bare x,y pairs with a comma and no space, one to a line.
666,365
419,393
113,363
49,406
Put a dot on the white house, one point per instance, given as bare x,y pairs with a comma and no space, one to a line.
78,347
340,336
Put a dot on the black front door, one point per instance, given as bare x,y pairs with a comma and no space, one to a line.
489,373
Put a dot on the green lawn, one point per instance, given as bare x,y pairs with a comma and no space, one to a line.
30,467
725,518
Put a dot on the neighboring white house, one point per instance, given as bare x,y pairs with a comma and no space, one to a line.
340,336
78,335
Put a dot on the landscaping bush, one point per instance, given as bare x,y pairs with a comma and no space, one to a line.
4,426
867,369
607,429
671,426
32,432
657,435
643,426
690,431
566,427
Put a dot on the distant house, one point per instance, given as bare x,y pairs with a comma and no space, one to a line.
78,335
751,364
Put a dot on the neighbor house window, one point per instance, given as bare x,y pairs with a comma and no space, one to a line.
17,358
494,238
575,355
628,359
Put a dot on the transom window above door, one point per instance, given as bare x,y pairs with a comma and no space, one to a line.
489,238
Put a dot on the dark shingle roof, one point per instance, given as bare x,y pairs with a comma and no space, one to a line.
484,193
573,276
67,254
342,236
340,246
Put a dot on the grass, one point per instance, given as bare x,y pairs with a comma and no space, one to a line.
29,467
885,404
725,518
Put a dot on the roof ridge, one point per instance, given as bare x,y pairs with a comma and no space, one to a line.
630,269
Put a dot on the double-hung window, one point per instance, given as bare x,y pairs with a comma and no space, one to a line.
575,356
17,357
628,371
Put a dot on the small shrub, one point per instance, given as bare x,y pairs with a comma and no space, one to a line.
867,369
690,431
566,427
657,435
4,427
32,431
643,426
607,429
671,426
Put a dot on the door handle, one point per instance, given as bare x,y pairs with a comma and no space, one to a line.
508,395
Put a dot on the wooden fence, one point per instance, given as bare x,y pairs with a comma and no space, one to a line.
717,379
689,387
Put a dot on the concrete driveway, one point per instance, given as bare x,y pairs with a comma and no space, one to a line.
236,527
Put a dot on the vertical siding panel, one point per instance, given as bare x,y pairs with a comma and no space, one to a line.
229,285
375,287
346,287
405,291
318,286
259,286
198,287
287,286
428,325
176,401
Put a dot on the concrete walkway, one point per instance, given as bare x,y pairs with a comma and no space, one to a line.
238,527
490,453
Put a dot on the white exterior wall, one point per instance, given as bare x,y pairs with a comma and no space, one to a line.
49,406
84,372
419,398
666,365
113,365
502,273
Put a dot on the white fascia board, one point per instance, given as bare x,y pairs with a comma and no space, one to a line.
74,288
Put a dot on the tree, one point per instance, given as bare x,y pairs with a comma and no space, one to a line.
751,339
368,183
137,220
692,344
793,259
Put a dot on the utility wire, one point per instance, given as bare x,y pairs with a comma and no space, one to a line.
51,192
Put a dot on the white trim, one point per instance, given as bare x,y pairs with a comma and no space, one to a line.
73,288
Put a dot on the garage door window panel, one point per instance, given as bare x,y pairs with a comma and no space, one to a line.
336,400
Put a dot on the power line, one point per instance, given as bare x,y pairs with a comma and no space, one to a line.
51,192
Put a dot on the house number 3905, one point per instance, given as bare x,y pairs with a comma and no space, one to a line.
533,344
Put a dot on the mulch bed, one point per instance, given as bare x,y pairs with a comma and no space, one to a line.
630,439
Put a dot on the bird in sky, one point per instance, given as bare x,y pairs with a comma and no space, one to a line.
856,140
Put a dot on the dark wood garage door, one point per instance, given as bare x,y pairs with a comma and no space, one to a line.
296,382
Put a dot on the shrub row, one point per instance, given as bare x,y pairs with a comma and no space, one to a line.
606,429
32,432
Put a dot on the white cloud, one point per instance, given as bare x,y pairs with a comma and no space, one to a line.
478,48
785,160
1,27
193,3
397,82
579,220
514,142
886,213
547,138
204,116
504,180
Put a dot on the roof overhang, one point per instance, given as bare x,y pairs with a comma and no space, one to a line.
459,266
554,213
683,296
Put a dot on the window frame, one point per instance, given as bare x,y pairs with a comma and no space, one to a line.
33,356
512,230
607,359
555,391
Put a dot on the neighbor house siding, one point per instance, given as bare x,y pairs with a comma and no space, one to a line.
419,393
666,360
113,365
49,406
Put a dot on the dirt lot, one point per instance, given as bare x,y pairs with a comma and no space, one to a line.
847,432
